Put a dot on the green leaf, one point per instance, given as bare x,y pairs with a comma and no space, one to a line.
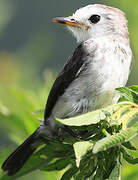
95,116
69,173
134,89
55,150
130,159
121,113
81,148
129,118
57,155
128,145
129,93
85,119
58,165
114,140
116,172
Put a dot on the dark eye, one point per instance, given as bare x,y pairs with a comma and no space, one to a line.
95,18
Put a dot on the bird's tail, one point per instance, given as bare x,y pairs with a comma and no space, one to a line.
17,159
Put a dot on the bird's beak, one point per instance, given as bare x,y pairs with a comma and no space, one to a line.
68,21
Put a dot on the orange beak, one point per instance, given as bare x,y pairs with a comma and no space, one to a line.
68,21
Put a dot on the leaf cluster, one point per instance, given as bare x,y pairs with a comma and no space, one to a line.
106,136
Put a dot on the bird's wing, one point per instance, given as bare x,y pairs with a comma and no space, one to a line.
65,77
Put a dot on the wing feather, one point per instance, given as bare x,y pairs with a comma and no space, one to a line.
65,77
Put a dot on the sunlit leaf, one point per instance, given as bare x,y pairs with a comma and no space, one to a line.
121,113
118,138
60,153
81,149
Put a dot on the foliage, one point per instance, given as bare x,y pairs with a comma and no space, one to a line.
106,135
26,54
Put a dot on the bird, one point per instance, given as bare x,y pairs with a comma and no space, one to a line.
100,64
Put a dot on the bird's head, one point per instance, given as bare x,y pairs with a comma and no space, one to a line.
95,21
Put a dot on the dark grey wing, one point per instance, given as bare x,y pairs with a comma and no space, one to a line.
65,77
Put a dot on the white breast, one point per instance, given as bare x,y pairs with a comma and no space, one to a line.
95,88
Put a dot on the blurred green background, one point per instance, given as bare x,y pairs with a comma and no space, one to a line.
32,51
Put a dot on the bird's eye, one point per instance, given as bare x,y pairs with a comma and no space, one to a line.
95,18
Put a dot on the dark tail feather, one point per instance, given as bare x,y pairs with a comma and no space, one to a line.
17,159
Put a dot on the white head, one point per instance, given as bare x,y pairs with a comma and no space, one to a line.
95,20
